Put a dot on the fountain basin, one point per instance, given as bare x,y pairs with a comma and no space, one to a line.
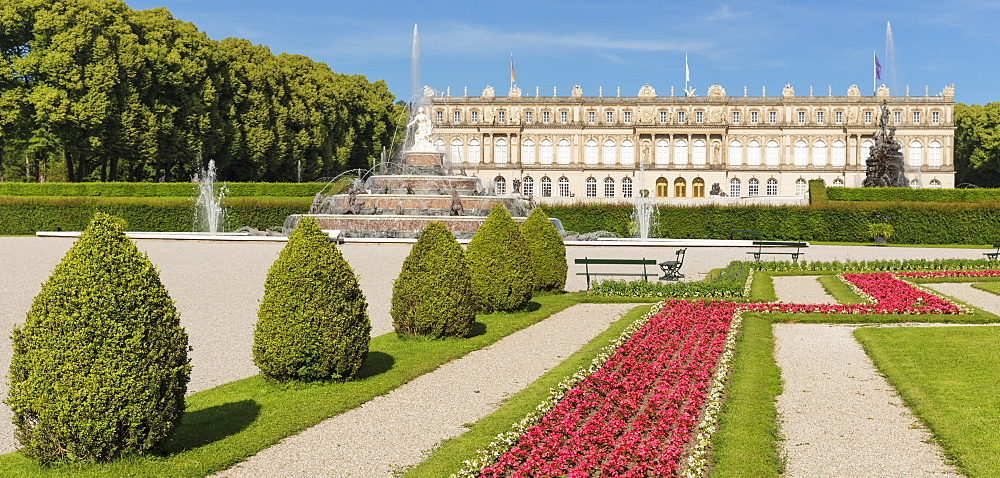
417,204
423,184
393,226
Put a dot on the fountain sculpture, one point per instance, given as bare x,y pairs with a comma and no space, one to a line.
884,166
208,212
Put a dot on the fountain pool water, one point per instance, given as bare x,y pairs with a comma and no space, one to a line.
209,215
642,215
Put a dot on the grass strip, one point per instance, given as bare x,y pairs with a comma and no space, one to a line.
229,423
762,289
991,287
449,456
746,443
949,377
840,291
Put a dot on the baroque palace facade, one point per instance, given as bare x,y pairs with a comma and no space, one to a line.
677,148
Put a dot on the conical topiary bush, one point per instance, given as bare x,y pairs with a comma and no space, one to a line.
433,293
100,367
500,263
548,253
313,320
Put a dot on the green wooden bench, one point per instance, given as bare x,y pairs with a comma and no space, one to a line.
587,262
993,255
762,244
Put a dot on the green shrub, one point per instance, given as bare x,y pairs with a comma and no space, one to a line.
730,282
433,293
548,253
917,195
500,264
817,192
100,367
165,189
313,321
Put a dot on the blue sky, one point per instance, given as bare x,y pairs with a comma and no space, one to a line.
603,44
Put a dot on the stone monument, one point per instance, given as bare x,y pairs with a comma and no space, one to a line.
885,166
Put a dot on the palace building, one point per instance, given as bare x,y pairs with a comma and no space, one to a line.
678,147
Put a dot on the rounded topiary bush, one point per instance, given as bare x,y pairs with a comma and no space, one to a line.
548,253
500,263
433,293
313,320
100,367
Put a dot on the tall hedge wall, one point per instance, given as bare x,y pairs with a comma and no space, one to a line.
915,223
908,194
28,215
163,189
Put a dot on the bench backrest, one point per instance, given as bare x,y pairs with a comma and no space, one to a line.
781,243
587,260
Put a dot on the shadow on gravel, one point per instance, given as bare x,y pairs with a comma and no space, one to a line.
377,363
208,425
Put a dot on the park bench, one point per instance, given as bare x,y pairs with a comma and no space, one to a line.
587,262
672,269
762,244
993,255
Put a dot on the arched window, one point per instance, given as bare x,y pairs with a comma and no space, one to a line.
564,187
662,152
681,152
866,150
735,188
735,153
626,187
628,153
935,184
474,153
546,187
916,154
915,184
934,154
819,154
698,188
563,152
772,187
609,188
698,154
590,152
591,187
680,188
839,158
456,151
839,183
500,185
753,187
771,160
439,145
608,153
528,186
801,187
500,152
753,153
662,188
801,154
545,152
528,152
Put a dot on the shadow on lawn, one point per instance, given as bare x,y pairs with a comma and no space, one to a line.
377,363
208,425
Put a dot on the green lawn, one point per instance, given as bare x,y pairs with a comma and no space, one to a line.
991,287
225,425
950,378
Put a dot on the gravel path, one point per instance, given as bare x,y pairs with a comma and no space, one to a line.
395,430
801,290
964,292
839,417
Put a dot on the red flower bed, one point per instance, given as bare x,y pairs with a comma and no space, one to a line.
634,415
934,274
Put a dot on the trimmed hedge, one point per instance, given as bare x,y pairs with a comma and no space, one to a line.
500,264
916,195
817,192
28,215
165,189
730,282
548,253
100,368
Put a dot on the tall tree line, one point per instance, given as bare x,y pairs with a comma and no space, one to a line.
977,144
91,90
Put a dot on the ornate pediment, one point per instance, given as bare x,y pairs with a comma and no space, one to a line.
514,92
488,92
716,90
647,92
948,90
853,91
788,90
577,92
882,91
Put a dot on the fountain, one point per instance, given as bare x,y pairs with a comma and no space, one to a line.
642,214
209,216
885,167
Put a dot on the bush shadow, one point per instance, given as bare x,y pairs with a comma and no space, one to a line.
478,328
376,363
208,425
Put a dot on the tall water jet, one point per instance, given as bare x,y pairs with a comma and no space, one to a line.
415,65
642,209
890,60
209,215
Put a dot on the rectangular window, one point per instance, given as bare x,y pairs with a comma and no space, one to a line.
439,117
501,116
935,117
527,116
819,117
916,117
591,117
563,116
772,116
868,117
627,117
699,116
545,116
753,117
838,117
680,116
609,117
802,116
897,117
457,117
663,117
474,117
736,116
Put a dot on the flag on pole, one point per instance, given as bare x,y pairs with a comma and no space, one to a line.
878,68
512,79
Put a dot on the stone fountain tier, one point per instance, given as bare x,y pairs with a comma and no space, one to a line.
417,204
422,184
395,226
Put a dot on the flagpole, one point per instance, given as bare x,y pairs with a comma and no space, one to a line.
512,70
874,72
687,72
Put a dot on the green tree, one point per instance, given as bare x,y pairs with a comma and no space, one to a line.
548,253
977,144
500,263
433,293
313,320
100,366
